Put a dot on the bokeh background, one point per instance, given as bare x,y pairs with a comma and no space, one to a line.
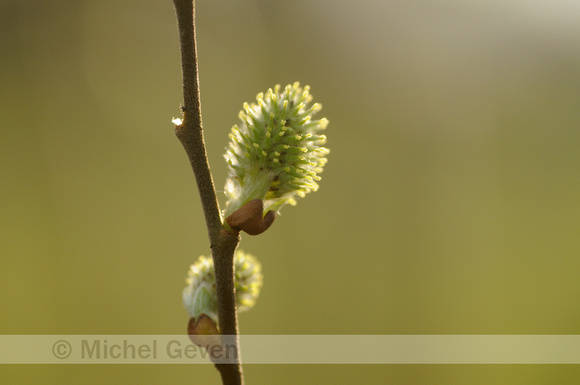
450,203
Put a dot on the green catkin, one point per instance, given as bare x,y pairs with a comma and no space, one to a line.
276,153
200,297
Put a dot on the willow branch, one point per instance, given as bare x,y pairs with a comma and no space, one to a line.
190,133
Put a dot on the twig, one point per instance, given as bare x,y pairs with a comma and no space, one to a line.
190,133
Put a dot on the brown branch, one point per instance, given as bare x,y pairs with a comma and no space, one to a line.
190,133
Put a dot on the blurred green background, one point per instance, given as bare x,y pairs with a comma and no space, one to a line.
450,203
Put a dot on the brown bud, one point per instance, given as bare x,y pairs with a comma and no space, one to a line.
249,218
203,332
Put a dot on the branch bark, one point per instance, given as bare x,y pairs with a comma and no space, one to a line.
190,134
